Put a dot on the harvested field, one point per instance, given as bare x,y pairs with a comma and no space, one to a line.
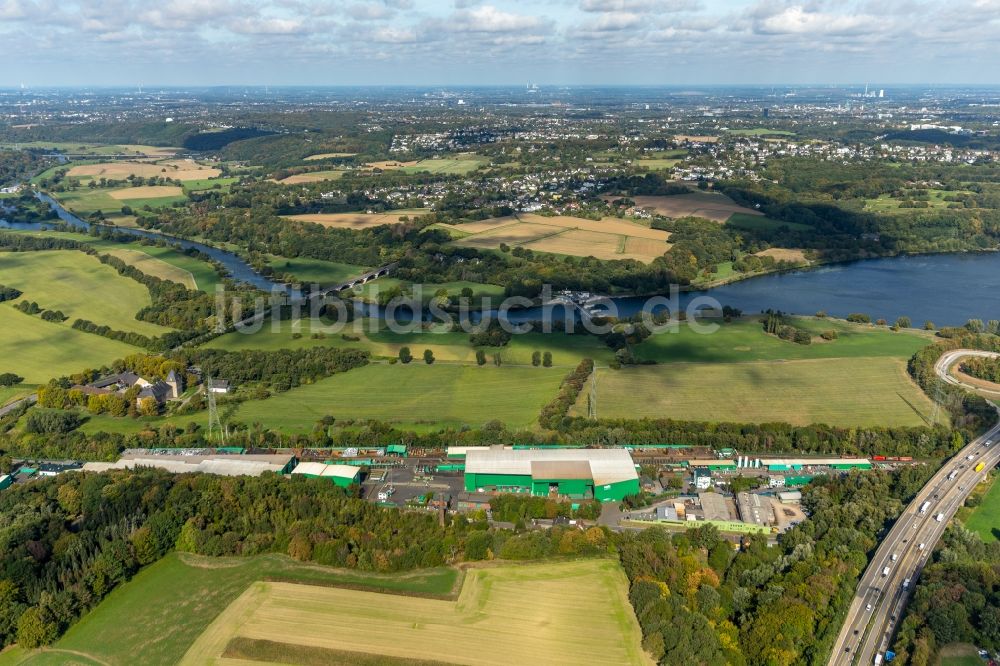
581,244
176,169
312,177
709,205
609,225
645,247
553,613
391,164
608,239
484,225
146,192
327,156
356,220
511,234
155,267
784,254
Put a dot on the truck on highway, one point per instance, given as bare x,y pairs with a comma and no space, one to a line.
878,659
906,584
885,572
894,556
924,507
980,467
953,474
939,517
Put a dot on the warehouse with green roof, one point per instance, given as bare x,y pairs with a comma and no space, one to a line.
607,475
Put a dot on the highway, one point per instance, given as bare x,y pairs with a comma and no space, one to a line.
949,359
880,598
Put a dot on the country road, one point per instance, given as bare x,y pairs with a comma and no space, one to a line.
8,408
887,583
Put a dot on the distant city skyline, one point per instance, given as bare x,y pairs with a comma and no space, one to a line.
498,42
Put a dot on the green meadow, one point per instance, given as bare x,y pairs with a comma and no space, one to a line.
203,272
745,340
414,394
80,286
190,591
39,350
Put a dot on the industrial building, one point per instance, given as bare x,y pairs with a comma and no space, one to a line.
225,465
796,464
340,475
607,475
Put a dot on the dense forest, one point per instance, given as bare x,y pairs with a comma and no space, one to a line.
957,600
987,369
698,603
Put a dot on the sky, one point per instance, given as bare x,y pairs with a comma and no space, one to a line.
463,42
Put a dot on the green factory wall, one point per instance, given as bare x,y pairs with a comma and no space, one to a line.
344,482
575,488
474,481
616,492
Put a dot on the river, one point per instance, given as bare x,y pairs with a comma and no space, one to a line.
948,289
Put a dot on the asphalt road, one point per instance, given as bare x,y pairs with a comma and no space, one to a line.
881,597
9,407
948,359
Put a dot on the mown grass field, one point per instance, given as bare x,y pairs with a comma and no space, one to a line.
156,617
985,518
746,340
80,286
316,271
204,273
886,203
84,201
39,350
553,613
567,350
460,164
209,184
417,393
960,654
864,391
11,393
154,267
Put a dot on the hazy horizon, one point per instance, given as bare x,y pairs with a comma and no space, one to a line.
509,42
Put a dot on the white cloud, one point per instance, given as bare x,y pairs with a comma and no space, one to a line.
267,26
797,20
660,6
490,19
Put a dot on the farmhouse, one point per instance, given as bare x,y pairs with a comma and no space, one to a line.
607,475
160,390
218,386
340,475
